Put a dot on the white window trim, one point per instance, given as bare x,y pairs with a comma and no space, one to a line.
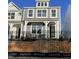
28,13
11,15
36,30
51,13
41,9
43,4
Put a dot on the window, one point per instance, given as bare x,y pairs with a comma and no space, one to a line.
41,13
53,13
11,15
38,3
39,29
44,13
36,28
45,3
33,28
41,3
30,13
52,31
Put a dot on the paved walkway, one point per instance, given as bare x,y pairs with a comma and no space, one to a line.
35,58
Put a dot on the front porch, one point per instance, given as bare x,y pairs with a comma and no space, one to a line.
14,30
40,30
36,30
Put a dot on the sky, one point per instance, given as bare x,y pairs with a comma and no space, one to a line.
31,3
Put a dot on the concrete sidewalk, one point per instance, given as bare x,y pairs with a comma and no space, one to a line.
35,58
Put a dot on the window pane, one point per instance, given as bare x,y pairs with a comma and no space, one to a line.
38,4
33,28
53,31
42,4
44,13
39,13
30,13
8,17
12,13
12,17
54,13
45,4
39,29
8,14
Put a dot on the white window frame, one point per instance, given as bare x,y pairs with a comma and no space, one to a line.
41,16
11,15
51,13
38,3
28,13
36,28
43,4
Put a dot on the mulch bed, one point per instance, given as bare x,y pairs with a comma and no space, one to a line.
40,46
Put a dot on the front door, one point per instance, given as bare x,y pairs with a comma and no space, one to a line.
52,31
19,32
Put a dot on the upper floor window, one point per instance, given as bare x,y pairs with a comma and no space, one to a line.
30,13
53,13
42,4
11,15
44,13
38,3
45,3
41,13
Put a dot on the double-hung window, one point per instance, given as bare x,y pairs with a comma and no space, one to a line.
44,13
33,28
53,13
45,3
41,13
42,4
11,15
38,3
30,13
36,28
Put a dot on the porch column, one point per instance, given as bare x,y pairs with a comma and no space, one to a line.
21,34
45,29
10,33
25,26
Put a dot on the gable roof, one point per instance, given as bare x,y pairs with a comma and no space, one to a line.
15,5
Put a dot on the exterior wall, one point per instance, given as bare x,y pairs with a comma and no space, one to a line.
46,28
26,19
17,16
46,19
13,31
42,6
48,12
14,9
